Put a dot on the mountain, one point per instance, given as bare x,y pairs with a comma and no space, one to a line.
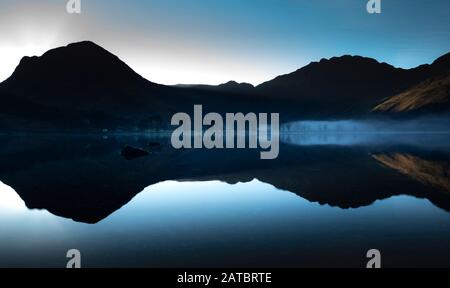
83,87
431,95
80,85
230,86
233,86
347,86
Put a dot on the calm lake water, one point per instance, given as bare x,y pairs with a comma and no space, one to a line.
324,202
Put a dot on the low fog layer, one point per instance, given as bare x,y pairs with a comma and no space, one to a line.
431,132
419,125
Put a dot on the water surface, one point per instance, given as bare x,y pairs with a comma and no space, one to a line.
322,203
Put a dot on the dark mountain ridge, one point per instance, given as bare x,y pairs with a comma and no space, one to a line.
347,86
230,86
82,81
84,87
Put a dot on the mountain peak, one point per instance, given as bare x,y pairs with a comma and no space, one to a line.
234,84
347,61
335,69
86,43
444,60
81,61
80,47
235,87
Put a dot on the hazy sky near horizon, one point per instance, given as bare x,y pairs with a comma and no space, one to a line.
213,41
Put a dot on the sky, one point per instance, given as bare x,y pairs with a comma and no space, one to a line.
214,41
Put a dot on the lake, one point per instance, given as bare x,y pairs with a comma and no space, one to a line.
324,202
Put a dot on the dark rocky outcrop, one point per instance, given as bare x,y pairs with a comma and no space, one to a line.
130,152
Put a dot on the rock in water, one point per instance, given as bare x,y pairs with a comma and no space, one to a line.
130,152
154,147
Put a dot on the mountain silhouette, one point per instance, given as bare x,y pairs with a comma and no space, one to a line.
83,87
83,61
80,85
230,86
347,86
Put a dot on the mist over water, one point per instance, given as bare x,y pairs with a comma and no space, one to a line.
418,125
424,132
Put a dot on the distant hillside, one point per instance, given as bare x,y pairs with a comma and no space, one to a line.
230,86
432,95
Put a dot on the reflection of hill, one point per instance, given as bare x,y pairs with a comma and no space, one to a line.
86,178
432,173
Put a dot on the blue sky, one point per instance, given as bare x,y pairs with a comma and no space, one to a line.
213,41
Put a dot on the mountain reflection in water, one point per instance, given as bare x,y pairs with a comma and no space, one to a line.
220,205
